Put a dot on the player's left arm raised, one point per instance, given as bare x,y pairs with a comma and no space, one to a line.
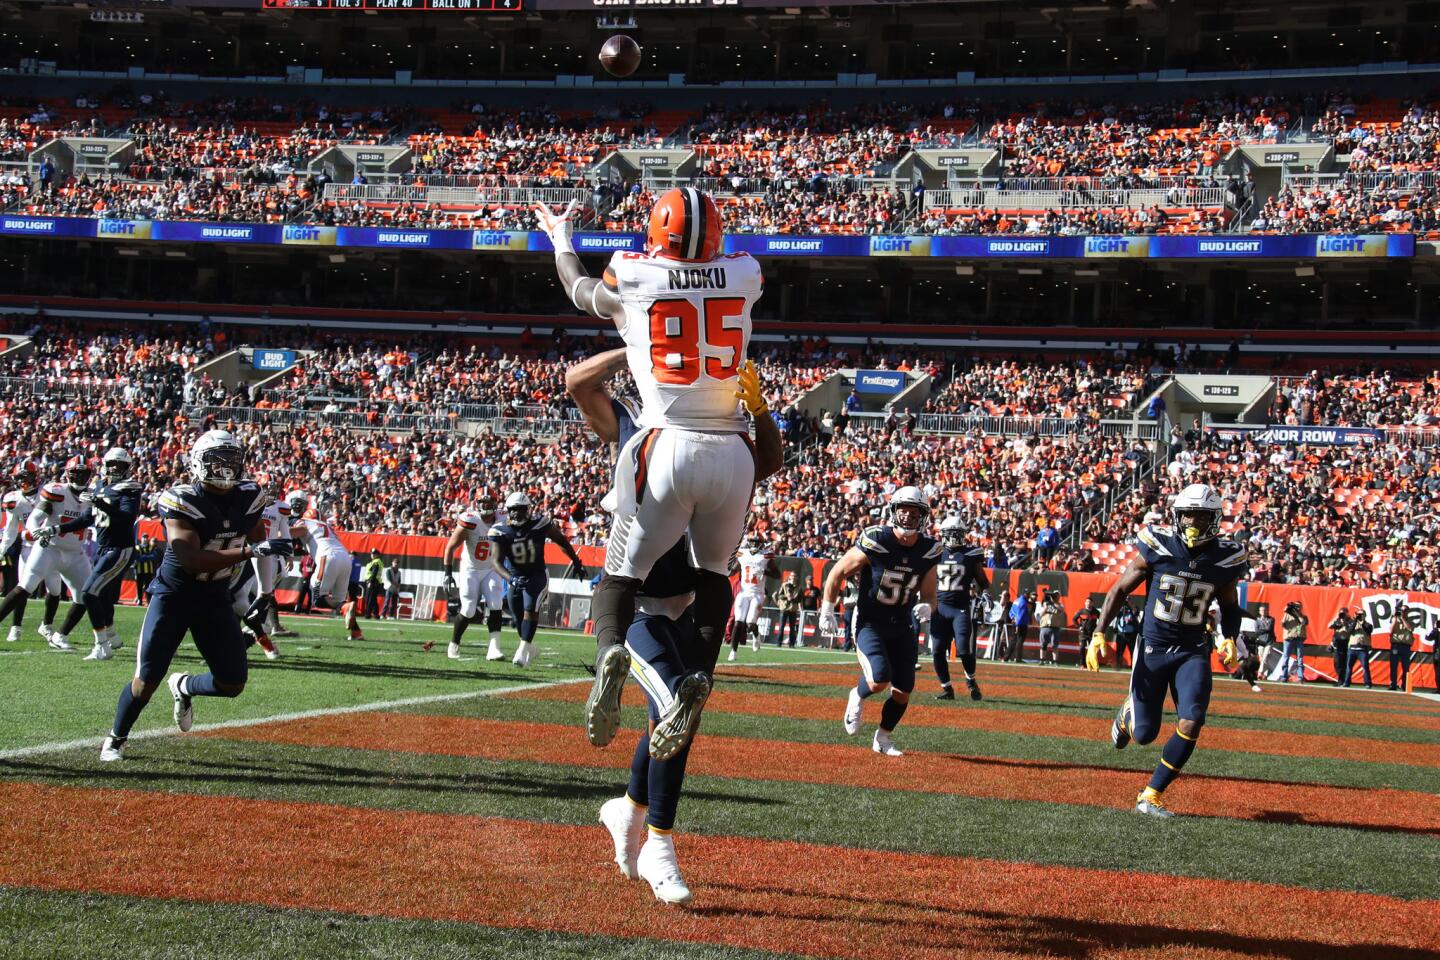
599,298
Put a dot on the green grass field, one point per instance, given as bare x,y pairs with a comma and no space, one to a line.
367,799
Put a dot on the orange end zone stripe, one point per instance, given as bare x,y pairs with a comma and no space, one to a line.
803,898
857,766
1234,703
1039,724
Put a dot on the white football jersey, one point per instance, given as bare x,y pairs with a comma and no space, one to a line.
276,518
64,505
319,537
686,328
752,573
479,548
16,507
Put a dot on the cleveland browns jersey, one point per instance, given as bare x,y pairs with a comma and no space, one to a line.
957,573
752,573
64,505
319,537
686,328
1182,584
223,521
479,549
276,518
890,582
17,506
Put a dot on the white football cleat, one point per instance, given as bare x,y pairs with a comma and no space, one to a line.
45,632
273,653
453,651
1254,688
853,712
626,823
495,652
58,641
1150,804
675,729
112,749
731,658
884,746
184,708
13,636
755,643
100,651
657,866
602,707
523,653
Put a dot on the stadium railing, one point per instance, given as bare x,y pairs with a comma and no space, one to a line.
991,425
289,417
1008,198
411,193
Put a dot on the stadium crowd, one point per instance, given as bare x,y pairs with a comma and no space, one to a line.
1367,514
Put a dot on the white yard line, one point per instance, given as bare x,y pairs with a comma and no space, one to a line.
43,748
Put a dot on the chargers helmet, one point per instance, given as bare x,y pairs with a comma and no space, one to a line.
952,532
1196,513
117,463
909,510
517,507
217,460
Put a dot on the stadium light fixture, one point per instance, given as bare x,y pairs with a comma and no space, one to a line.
964,270
1306,271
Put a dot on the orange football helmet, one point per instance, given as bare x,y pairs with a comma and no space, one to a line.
684,225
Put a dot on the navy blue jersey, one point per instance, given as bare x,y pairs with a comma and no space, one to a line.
116,507
890,581
1182,584
958,572
223,520
521,547
627,412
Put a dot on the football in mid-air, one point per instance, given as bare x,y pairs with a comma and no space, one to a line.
620,56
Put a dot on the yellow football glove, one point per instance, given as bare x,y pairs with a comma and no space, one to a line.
1228,656
1095,653
751,394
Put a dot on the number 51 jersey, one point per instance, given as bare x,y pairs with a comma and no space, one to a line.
1182,583
891,580
686,327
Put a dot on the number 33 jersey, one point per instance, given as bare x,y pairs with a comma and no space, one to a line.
891,580
222,520
1182,583
686,328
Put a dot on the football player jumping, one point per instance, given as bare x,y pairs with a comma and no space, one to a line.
1183,569
683,309
212,526
896,562
673,662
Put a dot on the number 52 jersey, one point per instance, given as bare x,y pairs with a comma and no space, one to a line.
1182,583
686,328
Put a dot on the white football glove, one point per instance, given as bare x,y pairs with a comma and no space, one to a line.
829,623
46,534
557,226
922,612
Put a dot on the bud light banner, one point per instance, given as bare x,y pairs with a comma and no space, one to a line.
899,246
298,234
123,229
1007,247
1284,433
272,360
879,381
